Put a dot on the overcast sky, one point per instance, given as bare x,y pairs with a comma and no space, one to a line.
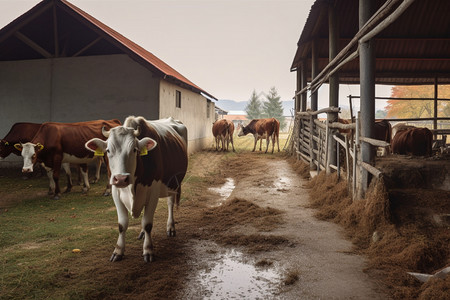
227,47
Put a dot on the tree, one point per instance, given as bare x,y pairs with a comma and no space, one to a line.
417,108
273,108
254,107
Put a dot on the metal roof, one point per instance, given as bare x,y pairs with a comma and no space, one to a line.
414,49
57,28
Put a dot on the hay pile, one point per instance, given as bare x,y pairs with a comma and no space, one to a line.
392,231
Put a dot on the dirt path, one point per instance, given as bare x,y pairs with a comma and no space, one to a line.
316,262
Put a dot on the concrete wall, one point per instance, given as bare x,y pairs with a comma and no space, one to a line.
193,113
75,89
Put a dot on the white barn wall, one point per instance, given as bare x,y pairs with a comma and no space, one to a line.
75,89
193,113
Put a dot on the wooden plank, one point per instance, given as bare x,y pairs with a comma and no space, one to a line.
87,46
374,142
372,170
33,45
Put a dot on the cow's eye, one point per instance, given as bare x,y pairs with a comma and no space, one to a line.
107,150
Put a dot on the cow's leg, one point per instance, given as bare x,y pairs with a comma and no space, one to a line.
122,218
254,146
278,142
56,171
260,143
273,142
51,188
170,221
147,223
232,143
84,174
66,167
98,166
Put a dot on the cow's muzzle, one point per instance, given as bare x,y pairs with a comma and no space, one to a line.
27,170
121,180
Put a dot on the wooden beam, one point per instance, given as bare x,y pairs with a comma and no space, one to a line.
87,46
55,32
33,45
24,22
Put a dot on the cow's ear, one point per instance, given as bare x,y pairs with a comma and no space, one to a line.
97,146
18,147
146,144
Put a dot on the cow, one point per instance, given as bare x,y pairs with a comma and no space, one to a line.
382,132
263,129
19,133
399,127
148,160
413,141
56,144
223,132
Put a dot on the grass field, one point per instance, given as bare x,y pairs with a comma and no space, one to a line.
38,234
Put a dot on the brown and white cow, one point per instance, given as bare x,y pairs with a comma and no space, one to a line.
413,141
19,133
56,144
223,131
263,129
148,160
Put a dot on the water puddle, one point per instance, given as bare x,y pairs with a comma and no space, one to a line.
282,183
232,278
225,190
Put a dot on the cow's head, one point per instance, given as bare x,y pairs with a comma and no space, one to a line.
243,130
5,149
122,148
29,152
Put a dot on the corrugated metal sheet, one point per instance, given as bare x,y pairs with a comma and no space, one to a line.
412,50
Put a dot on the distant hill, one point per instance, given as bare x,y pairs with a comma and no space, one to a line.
240,105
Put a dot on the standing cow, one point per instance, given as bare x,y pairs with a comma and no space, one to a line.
223,131
148,160
413,141
56,144
263,129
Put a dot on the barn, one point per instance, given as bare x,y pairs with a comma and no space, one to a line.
60,64
382,42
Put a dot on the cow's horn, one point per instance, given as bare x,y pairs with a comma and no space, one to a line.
137,131
105,132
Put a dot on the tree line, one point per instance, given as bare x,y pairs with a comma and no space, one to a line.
270,106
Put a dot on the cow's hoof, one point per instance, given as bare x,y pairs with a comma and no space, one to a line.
107,193
67,191
148,258
171,233
56,197
50,193
116,257
141,235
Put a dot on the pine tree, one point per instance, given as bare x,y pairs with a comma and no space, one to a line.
273,108
254,107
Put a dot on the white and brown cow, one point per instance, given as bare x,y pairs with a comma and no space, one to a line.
263,129
223,131
58,144
148,160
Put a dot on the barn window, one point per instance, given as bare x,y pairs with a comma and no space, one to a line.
178,99
208,109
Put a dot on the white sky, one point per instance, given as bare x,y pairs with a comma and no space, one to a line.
227,47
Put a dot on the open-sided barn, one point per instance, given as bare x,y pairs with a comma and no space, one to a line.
58,63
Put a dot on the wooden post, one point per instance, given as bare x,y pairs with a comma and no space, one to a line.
333,29
299,87
314,73
435,105
303,83
367,90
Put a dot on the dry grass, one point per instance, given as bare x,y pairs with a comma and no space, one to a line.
394,229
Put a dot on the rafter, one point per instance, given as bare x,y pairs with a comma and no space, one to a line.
33,45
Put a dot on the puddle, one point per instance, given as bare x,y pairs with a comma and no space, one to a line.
225,190
231,278
282,182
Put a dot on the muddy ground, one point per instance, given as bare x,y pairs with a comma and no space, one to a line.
251,227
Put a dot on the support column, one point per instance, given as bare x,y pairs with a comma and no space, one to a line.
367,91
333,80
435,104
314,73
299,87
304,97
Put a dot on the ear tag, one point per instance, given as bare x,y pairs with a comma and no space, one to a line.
144,151
99,152
6,144
40,147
